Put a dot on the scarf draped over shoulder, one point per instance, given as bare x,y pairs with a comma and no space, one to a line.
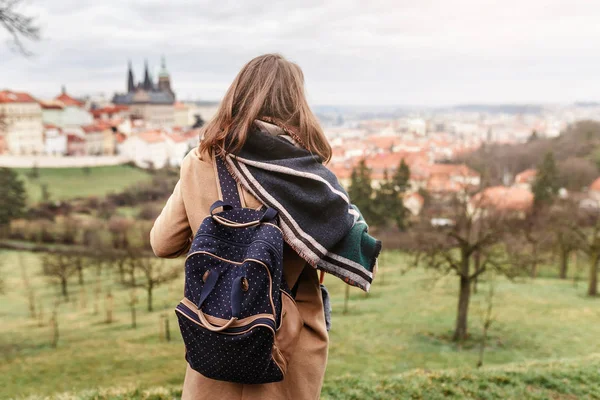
315,214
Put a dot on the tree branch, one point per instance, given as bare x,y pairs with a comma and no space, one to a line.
18,25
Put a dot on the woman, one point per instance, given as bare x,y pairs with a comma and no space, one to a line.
267,95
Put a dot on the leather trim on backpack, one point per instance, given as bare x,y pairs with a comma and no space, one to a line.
288,333
241,263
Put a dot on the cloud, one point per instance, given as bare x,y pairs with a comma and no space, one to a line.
429,52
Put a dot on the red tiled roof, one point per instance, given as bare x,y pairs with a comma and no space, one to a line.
7,96
341,171
72,138
504,198
109,110
382,142
527,176
99,126
51,105
451,170
51,126
68,100
443,184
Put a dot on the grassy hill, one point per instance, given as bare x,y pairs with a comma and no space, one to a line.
560,379
68,183
391,344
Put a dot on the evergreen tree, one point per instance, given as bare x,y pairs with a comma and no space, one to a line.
12,197
361,191
388,205
401,177
546,184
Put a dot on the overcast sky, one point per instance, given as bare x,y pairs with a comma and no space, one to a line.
403,52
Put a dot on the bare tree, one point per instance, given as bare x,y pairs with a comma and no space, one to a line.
586,227
109,307
18,25
535,232
132,303
564,240
54,324
153,273
60,267
28,286
487,319
474,228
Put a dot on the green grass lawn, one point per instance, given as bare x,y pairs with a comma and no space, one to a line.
391,344
68,183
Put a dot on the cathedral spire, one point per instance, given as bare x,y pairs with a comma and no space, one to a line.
130,81
147,80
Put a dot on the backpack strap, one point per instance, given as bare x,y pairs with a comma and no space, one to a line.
228,186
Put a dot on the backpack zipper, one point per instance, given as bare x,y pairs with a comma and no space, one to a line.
241,244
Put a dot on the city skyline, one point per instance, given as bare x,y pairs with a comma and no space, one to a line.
384,53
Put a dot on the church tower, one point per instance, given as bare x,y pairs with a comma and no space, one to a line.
148,86
164,79
130,81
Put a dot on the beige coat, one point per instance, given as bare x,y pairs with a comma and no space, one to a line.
171,236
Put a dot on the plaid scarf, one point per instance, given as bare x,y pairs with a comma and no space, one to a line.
315,214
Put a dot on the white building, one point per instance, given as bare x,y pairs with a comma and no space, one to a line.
65,112
74,113
155,149
22,130
55,141
181,115
94,139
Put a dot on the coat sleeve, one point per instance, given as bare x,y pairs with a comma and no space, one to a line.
171,235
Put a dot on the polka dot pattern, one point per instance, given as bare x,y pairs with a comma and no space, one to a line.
242,358
255,253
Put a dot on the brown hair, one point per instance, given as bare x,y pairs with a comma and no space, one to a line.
269,87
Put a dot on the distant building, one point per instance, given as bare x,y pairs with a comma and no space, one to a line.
65,111
152,102
181,117
99,139
73,113
594,191
22,130
75,145
155,149
55,140
110,113
504,199
414,202
525,179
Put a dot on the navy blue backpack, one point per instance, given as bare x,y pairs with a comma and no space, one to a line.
232,307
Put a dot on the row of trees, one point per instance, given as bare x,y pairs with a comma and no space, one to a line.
133,269
482,238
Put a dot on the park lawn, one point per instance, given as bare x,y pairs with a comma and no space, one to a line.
393,341
69,183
